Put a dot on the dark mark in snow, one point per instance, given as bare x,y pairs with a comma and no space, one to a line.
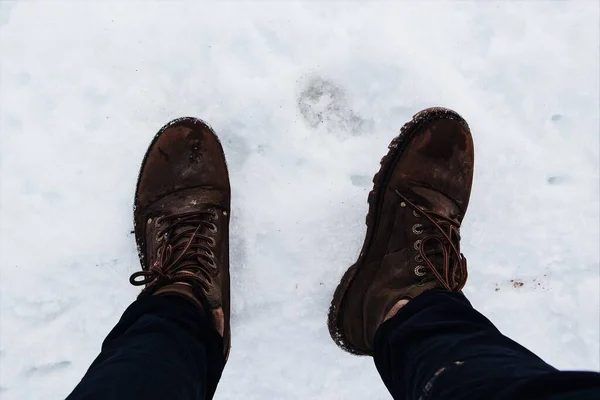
517,283
360,180
557,180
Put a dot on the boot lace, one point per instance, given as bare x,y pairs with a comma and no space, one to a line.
453,274
186,254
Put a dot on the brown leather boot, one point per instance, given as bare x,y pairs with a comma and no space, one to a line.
181,219
417,204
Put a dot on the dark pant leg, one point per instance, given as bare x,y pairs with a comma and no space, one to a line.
162,348
438,347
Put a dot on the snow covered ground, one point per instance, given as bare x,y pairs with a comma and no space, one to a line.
306,97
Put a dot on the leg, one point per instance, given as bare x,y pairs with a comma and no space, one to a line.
173,342
439,347
410,268
162,348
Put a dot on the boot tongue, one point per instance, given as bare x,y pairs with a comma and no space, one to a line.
192,232
435,201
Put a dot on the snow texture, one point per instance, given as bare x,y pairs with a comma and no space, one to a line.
305,97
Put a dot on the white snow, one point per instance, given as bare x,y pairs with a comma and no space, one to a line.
306,97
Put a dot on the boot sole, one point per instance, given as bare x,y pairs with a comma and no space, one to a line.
396,148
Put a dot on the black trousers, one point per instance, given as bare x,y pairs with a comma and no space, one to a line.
436,347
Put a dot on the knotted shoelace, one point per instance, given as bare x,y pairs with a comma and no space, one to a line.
186,254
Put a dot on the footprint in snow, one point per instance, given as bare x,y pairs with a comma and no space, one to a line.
324,103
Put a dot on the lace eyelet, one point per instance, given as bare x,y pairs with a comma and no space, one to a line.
416,214
417,245
159,237
212,263
212,242
420,270
158,221
212,228
418,258
416,230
